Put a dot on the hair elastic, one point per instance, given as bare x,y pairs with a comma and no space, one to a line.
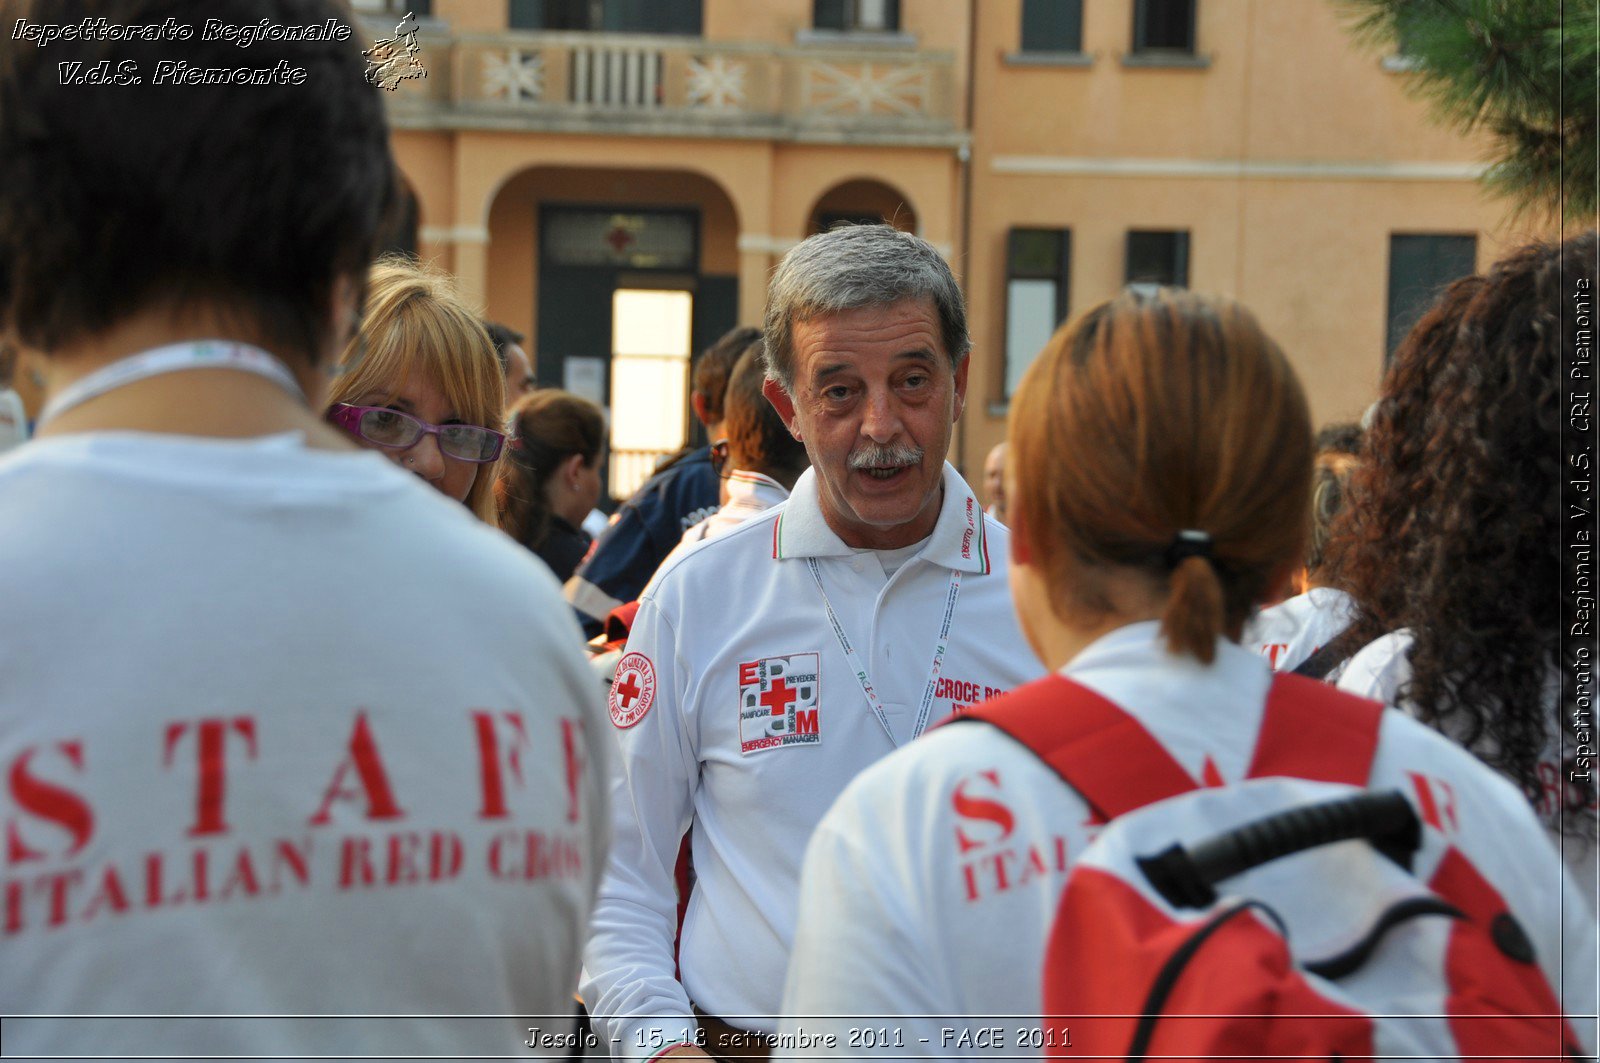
1188,543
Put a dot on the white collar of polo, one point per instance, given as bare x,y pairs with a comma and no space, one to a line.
957,542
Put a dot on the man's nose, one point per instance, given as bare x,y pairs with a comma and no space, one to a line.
425,458
881,422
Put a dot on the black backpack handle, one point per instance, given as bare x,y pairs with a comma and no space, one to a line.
1187,877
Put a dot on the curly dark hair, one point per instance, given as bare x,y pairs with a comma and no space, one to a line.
1453,529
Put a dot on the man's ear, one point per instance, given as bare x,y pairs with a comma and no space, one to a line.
961,389
701,407
784,404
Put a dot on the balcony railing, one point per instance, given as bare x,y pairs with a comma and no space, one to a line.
566,80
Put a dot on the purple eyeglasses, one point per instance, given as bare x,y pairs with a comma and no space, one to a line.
393,430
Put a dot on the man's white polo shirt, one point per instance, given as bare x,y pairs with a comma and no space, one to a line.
735,709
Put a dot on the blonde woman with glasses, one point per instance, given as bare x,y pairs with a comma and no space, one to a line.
420,383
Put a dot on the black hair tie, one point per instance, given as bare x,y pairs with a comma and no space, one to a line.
1188,543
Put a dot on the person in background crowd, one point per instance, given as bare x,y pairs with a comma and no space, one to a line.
758,460
514,361
1453,545
1291,633
420,384
1168,449
994,481
870,603
680,494
273,797
550,478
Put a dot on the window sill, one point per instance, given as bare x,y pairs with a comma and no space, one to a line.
1059,59
1400,64
856,39
1166,60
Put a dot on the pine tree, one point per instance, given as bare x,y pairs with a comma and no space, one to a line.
1522,70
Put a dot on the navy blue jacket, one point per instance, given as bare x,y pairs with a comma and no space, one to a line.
647,527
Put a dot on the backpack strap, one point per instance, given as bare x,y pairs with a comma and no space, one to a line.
1323,661
1313,731
1096,747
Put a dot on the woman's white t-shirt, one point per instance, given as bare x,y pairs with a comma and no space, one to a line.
283,732
1288,633
931,886
1383,667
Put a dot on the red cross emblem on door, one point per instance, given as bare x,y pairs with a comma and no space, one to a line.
620,240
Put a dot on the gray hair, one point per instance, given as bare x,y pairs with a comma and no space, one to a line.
852,267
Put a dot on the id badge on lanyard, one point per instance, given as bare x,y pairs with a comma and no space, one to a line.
853,659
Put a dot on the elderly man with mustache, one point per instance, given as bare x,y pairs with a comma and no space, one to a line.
766,668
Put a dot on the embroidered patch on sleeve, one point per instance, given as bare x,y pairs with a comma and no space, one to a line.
633,690
778,702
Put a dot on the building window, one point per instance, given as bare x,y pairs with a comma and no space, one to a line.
851,16
637,240
1165,26
1037,265
1404,56
1052,25
419,8
1158,257
1419,266
550,15
610,16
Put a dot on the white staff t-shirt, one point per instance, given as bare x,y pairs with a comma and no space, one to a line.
283,732
1288,633
931,886
1382,669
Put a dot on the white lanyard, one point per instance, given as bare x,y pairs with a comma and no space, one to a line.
206,354
853,659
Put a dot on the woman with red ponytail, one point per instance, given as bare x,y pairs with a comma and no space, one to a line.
1160,469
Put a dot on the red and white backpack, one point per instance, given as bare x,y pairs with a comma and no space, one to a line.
1275,918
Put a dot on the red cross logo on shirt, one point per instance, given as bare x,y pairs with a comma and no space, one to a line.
778,702
628,689
633,691
779,698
